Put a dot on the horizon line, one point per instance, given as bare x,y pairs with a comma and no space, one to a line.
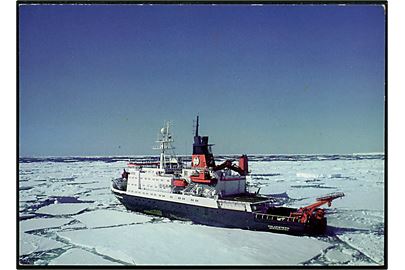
154,155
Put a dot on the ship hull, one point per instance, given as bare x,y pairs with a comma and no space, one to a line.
215,216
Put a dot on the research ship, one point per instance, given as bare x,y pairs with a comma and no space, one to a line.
208,193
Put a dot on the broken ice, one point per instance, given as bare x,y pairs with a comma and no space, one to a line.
68,216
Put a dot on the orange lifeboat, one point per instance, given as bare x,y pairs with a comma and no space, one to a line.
179,182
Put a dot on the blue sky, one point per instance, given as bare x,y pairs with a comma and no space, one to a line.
101,79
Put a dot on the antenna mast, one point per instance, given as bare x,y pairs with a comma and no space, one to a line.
164,142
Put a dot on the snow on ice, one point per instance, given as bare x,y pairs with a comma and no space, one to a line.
374,248
104,218
79,257
337,256
32,243
62,209
98,230
42,223
186,244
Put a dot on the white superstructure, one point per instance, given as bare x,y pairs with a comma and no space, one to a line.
208,193
169,180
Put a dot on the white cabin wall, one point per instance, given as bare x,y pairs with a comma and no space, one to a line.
231,187
133,181
149,180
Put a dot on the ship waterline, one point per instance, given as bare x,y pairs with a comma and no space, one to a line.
209,193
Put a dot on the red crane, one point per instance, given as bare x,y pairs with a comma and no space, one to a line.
304,213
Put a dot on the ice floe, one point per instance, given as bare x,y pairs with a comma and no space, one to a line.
61,209
105,217
361,219
42,223
371,245
107,231
185,244
30,198
32,243
338,256
77,256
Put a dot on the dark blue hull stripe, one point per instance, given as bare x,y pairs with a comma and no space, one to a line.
211,216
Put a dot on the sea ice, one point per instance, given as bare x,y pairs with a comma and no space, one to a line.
32,243
360,220
74,226
42,223
105,217
337,256
179,243
309,175
371,245
29,198
25,216
77,256
61,209
101,196
357,219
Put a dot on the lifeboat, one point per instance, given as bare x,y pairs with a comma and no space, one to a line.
179,183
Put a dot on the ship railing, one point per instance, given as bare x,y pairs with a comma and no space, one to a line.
232,205
144,164
189,189
262,216
226,202
268,201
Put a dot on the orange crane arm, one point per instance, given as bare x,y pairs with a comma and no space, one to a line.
305,212
323,200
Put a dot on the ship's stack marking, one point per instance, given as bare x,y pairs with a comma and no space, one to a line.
213,191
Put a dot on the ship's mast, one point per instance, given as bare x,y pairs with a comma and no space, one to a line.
164,140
